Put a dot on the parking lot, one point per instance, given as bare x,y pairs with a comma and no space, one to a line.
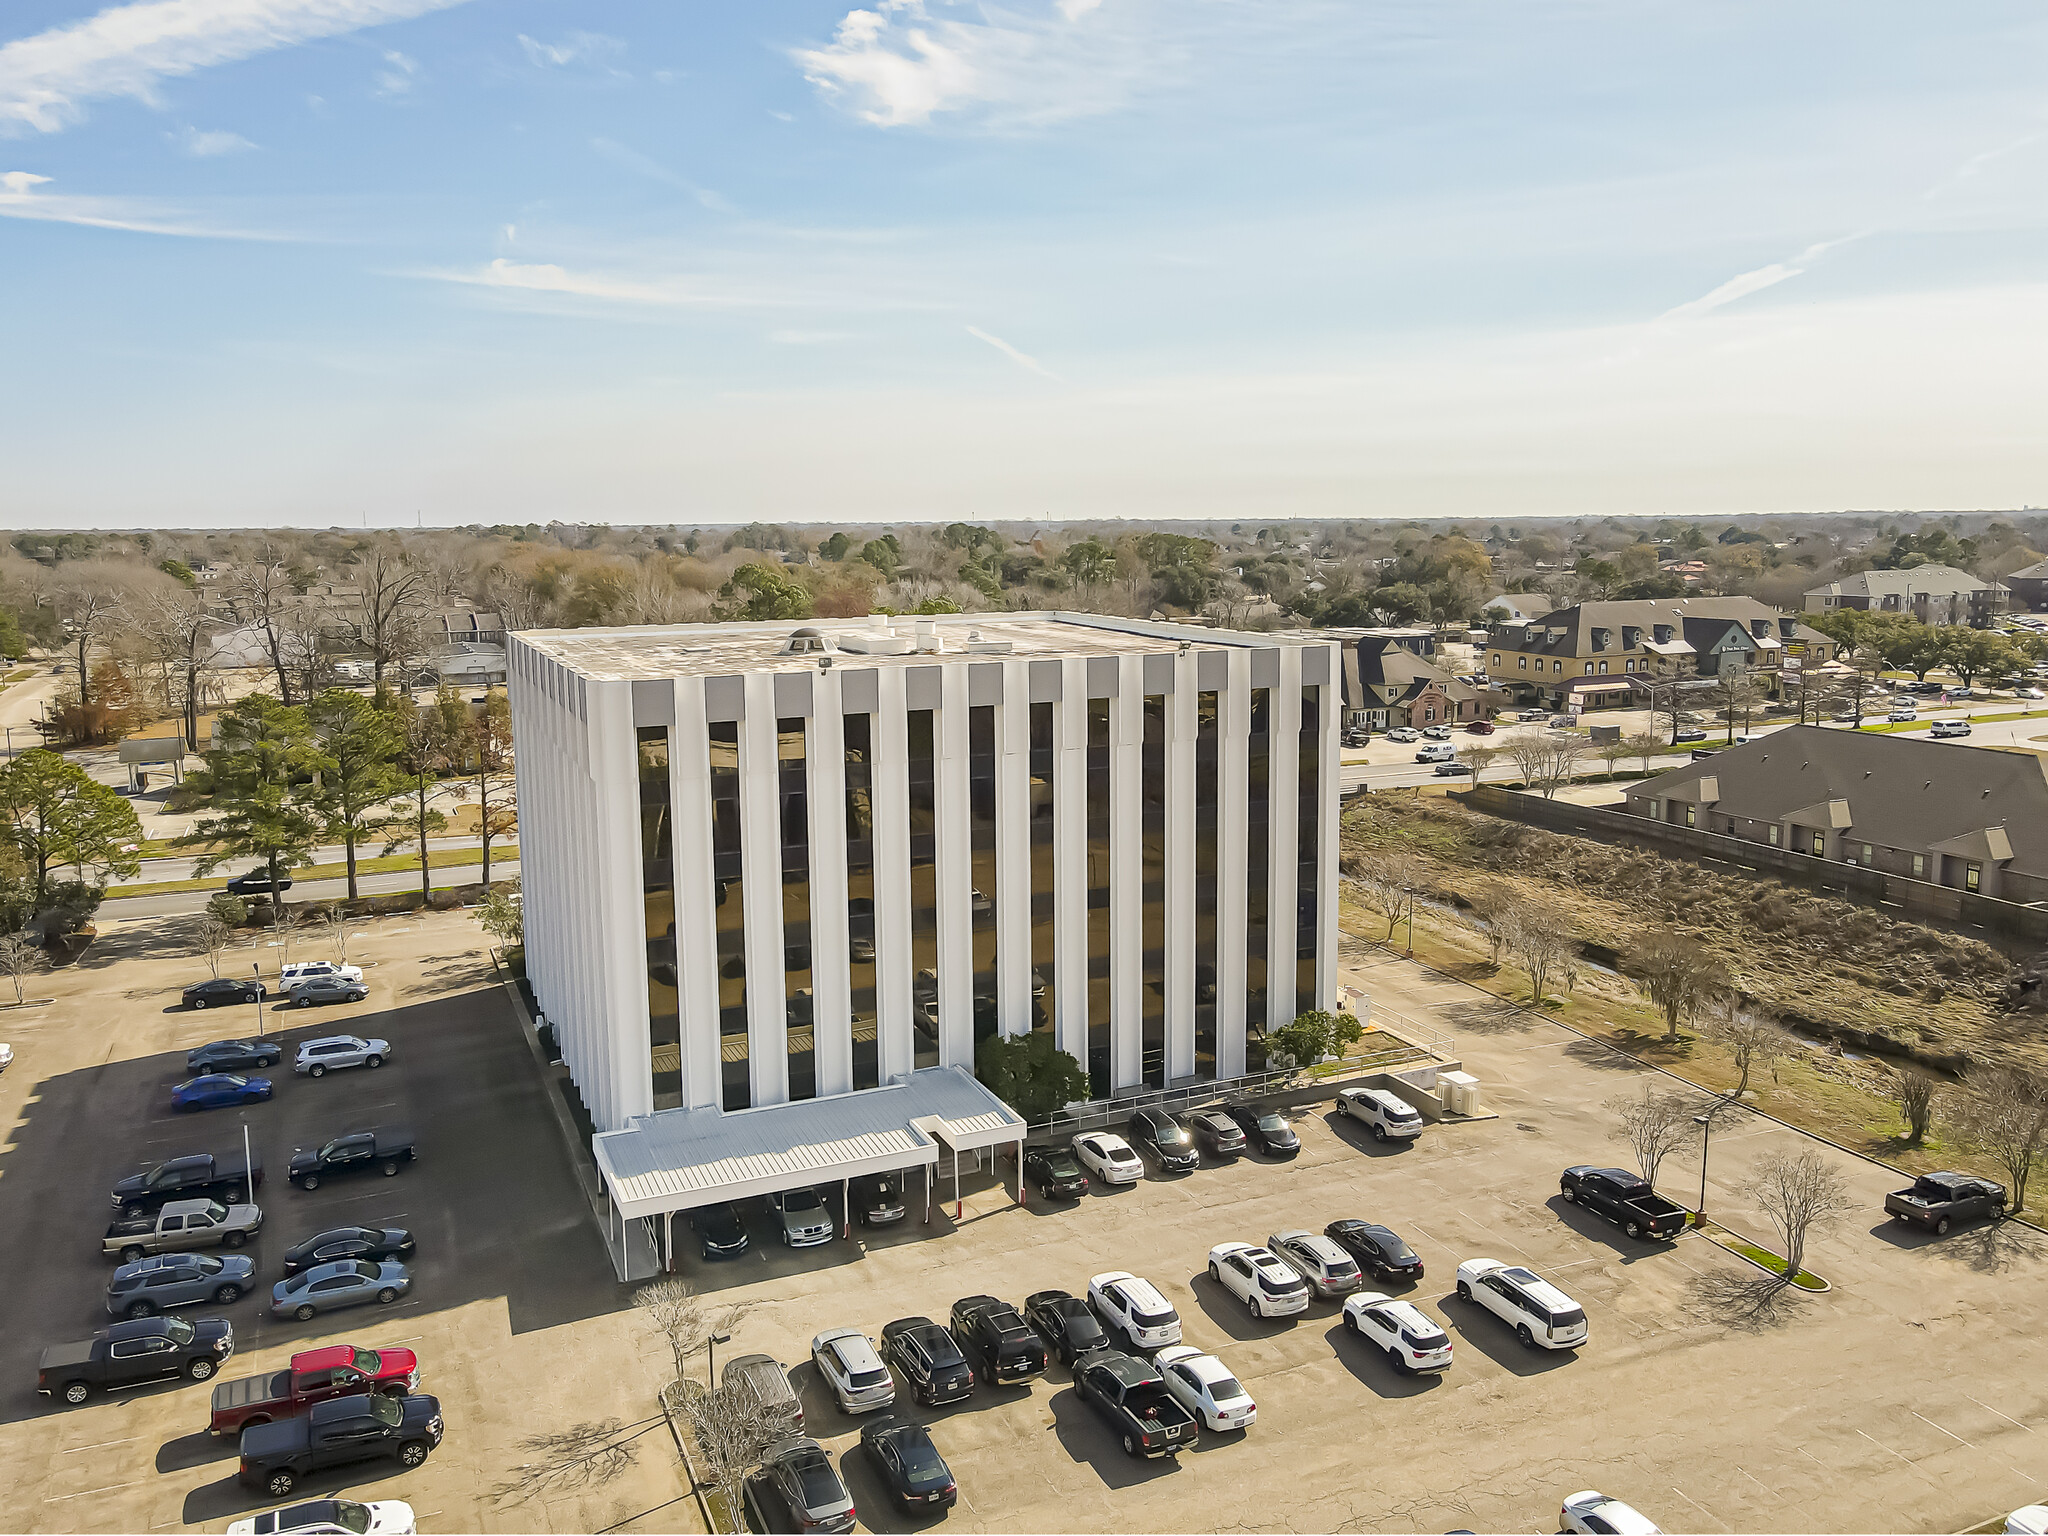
514,1312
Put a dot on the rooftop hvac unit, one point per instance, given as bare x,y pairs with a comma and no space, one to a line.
1460,1092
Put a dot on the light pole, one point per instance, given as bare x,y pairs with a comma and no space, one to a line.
256,997
1411,921
711,1347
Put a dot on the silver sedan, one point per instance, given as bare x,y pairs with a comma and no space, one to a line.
344,1283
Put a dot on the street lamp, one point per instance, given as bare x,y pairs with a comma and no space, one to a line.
711,1347
256,997
1411,921
1706,1124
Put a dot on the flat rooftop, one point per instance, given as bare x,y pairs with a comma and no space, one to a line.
651,651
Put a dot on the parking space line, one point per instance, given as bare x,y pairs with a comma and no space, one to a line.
394,1343
1767,1488
88,1493
2005,1416
1959,1440
1886,1449
74,1450
1695,1503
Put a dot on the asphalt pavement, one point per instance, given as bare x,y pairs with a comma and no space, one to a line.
183,903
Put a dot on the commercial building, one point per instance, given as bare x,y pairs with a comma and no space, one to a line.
1390,678
781,880
2029,587
1933,594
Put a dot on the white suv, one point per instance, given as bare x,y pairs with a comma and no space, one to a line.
1542,1316
291,975
1400,1330
1265,1283
1133,1307
1383,1112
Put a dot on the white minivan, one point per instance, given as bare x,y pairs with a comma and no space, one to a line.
1437,752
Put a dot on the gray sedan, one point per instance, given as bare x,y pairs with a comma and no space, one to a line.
178,1280
344,1283
325,989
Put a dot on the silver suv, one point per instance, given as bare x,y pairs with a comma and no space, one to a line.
850,1364
806,1221
1328,1269
330,1053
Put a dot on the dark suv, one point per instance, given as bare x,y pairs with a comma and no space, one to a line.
878,1199
929,1358
1266,1129
1165,1139
1010,1350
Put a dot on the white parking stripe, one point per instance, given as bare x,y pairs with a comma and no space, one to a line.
74,1450
2005,1416
1886,1449
1959,1440
88,1493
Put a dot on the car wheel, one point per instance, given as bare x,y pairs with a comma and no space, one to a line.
387,1296
1252,1302
1130,1446
412,1453
1570,1195
133,1209
200,1370
390,1167
1941,1227
304,1314
316,1070
131,1253
198,1002
1215,1273
1379,1133
142,1309
76,1392
227,1293
1464,1291
373,1061
280,1485
309,1181
1528,1339
1634,1229
238,1196
234,1239
1398,1360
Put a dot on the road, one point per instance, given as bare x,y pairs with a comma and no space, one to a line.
183,866
184,903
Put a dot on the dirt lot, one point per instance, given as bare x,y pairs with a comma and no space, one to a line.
519,1324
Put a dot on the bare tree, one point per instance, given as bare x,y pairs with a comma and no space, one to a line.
334,923
1655,1126
1612,750
284,927
1757,1043
91,600
1500,907
212,940
1735,697
1542,941
1915,1092
1563,754
1529,752
1644,745
1682,976
1480,756
178,628
262,593
19,956
1800,1192
1384,880
2004,1110
388,624
730,1430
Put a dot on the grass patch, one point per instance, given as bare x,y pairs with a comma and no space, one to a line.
1763,1258
397,863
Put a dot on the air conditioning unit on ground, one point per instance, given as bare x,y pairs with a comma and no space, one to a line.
1460,1092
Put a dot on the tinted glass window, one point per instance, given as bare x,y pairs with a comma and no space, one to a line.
1225,1388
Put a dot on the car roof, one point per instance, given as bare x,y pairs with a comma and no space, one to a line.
1324,1248
1625,1518
306,1045
1406,1313
852,1346
1141,1292
324,1359
1059,1300
337,1267
1205,1368
1537,1288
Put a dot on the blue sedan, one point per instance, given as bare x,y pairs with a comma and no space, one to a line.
344,1283
220,1090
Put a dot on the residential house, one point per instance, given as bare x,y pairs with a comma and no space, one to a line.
1933,594
2029,587
1389,677
1968,817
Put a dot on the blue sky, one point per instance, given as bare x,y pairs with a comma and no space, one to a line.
325,261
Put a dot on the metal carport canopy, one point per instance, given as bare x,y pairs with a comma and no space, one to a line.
682,1158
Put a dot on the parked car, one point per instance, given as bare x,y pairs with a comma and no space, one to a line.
1400,1330
1266,1284
343,1283
1132,1397
1685,734
801,1478
909,1465
1480,727
222,992
182,1226
1402,733
1937,1201
330,1053
992,1331
1157,1132
721,1234
1357,737
929,1358
1328,1269
313,1376
1561,723
1541,1314
847,1361
806,1220
325,989
1436,733
134,1354
153,1285
1946,728
1901,717
1056,1173
1203,1385
1377,1248
196,1176
1623,1199
1436,752
1596,1514
338,1432
762,1379
1529,716
219,1090
1217,1134
878,1199
332,1517
372,1244
1384,1113
233,1056
1452,769
357,1152
293,973
1266,1129
1068,1325
1132,1307
1109,1157
2031,692
6,1055
256,882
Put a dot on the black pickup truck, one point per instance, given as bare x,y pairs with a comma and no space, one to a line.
1133,1398
1010,1348
1938,1200
201,1176
1623,1199
341,1430
357,1152
130,1354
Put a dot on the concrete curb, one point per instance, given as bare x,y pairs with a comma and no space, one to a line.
690,1467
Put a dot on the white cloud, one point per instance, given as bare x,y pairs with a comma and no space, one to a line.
21,199
127,50
204,144
1022,359
548,278
576,48
1744,284
397,78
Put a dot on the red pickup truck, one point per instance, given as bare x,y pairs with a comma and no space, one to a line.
340,1370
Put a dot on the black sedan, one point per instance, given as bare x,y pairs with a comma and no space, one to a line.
910,1466
1379,1250
1067,1324
1217,1134
233,1056
720,1232
1056,1174
257,883
1160,1136
1266,1129
221,991
375,1244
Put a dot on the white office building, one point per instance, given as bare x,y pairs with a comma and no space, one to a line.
781,879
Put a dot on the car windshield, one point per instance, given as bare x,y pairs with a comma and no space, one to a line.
1339,1268
1169,1135
1272,1123
1156,1319
874,1376
1061,1165
1280,1285
386,1409
351,1516
1224,1388
1396,1251
922,1467
209,1265
368,1361
1082,1327
1422,1340
802,1200
180,1332
1566,1317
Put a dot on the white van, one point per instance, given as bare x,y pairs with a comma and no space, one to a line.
1437,752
